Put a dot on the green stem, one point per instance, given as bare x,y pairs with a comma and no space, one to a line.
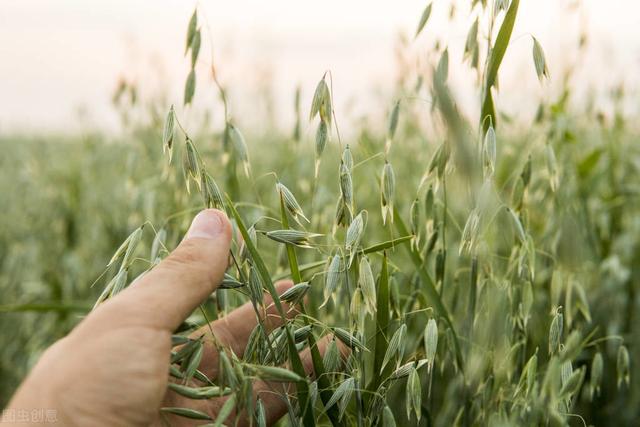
430,289
302,386
318,365
382,326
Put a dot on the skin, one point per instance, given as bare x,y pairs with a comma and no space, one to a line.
112,369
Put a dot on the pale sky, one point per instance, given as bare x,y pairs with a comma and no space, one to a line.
57,56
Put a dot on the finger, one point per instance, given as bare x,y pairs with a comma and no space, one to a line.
233,330
271,394
166,295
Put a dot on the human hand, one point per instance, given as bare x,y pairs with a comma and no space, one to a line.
112,369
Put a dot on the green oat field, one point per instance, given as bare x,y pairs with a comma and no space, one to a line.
482,269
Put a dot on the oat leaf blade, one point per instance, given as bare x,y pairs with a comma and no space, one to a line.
495,59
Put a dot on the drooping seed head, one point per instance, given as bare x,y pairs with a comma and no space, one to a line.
530,370
395,349
413,394
190,164
321,103
354,233
132,245
518,226
414,219
342,395
290,202
124,247
555,332
471,44
346,186
470,233
356,311
256,292
348,339
190,87
429,202
347,158
622,366
295,237
539,60
490,150
301,334
191,28
273,373
393,121
261,415
440,159
169,133
244,251
431,341
572,384
332,278
158,243
195,47
210,192
296,293
230,282
403,371
387,192
119,282
367,285
331,359
343,214
240,147
322,137
388,419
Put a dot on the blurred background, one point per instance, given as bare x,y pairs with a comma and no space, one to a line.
61,60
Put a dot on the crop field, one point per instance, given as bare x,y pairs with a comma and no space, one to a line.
481,270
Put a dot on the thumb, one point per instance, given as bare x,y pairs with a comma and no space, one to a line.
168,293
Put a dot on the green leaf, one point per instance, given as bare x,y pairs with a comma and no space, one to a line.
423,19
382,322
495,58
387,245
